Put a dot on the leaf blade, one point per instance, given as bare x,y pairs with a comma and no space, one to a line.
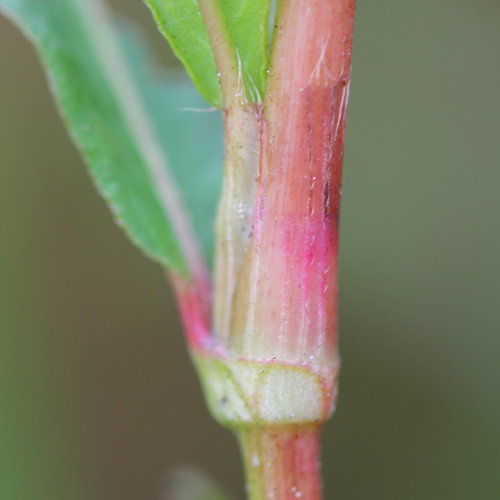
181,24
245,24
191,483
163,93
101,124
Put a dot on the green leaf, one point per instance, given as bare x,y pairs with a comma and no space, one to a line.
191,135
190,483
181,23
123,116
245,24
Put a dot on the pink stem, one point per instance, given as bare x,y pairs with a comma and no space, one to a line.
276,274
284,303
194,302
282,462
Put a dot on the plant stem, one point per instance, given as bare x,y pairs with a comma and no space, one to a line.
271,373
281,461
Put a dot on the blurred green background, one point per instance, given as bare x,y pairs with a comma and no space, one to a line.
97,396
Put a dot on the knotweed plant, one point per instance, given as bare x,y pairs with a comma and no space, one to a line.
255,274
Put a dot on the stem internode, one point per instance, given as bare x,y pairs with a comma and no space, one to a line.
281,462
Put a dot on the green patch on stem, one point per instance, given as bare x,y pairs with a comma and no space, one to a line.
125,118
251,392
245,25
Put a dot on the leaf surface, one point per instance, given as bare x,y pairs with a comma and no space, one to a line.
124,117
190,483
244,23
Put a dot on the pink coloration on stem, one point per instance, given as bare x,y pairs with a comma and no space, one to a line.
277,235
282,463
269,368
193,300
281,301
300,178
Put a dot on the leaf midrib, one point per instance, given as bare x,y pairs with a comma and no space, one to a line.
109,57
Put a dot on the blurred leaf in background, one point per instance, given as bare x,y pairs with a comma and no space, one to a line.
190,483
86,323
37,437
